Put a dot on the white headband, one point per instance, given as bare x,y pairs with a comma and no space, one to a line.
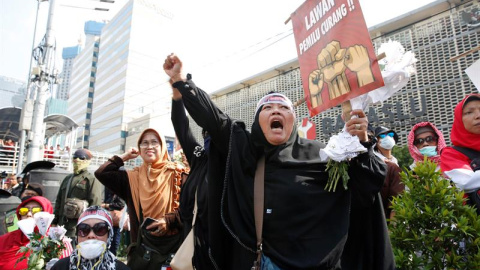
100,214
275,98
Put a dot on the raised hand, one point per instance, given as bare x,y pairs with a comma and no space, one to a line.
357,125
130,154
173,68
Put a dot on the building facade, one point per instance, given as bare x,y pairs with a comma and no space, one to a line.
434,33
130,61
68,55
12,91
82,83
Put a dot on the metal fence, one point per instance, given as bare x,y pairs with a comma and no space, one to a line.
9,157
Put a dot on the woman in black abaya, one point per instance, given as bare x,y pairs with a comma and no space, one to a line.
304,226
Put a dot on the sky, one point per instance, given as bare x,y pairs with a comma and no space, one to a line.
220,42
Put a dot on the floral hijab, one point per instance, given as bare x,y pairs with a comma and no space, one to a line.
106,261
415,153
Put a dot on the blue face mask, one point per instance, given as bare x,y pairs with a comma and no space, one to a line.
429,151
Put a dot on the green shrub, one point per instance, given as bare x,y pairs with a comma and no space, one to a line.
432,228
403,156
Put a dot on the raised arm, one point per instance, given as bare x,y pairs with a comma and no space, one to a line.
114,179
367,171
181,124
199,105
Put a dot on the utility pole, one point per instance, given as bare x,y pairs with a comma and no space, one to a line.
27,111
45,75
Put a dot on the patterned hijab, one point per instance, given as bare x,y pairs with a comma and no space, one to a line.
415,153
157,185
106,261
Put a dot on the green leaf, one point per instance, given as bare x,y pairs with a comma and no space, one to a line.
336,171
422,234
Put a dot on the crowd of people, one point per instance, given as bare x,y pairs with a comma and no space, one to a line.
51,153
253,196
7,151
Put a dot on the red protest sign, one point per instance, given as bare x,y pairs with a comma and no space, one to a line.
335,53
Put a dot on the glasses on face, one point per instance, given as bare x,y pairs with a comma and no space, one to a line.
99,229
427,139
24,210
147,144
390,134
80,157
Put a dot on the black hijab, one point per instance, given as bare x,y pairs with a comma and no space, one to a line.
295,150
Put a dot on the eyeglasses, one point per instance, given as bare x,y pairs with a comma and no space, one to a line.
24,210
426,139
147,144
80,157
99,229
390,134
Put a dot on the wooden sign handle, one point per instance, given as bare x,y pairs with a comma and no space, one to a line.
464,54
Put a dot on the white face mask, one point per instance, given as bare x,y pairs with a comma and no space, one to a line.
91,249
387,143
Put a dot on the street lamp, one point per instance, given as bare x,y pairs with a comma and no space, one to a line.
96,8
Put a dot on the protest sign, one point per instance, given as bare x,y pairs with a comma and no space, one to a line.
335,53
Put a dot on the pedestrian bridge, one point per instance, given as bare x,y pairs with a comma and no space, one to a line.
9,157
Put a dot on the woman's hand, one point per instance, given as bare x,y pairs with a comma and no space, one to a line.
173,68
357,126
130,154
158,228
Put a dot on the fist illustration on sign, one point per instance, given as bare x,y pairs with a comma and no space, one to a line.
332,61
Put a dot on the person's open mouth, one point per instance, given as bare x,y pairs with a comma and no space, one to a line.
276,125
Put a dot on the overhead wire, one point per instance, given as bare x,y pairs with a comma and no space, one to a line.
274,39
288,33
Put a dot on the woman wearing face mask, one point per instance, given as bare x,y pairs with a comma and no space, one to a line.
11,242
386,140
425,140
94,234
80,185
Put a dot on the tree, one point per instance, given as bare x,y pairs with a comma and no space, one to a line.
403,156
432,227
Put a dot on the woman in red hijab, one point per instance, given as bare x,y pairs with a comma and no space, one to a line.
465,133
11,242
462,170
